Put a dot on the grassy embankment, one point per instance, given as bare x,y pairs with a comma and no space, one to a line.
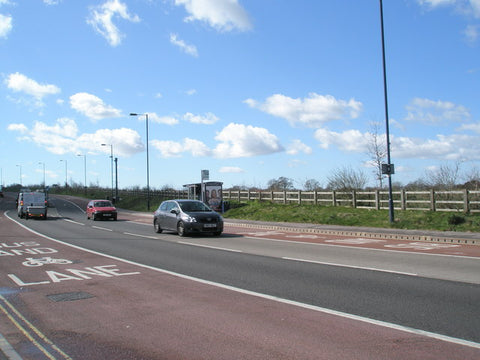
330,215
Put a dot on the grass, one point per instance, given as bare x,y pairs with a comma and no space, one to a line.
347,216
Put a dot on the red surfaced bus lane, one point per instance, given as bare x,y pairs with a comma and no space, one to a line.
76,304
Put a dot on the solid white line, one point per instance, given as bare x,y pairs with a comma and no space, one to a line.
8,350
350,266
101,228
74,222
270,297
209,246
142,236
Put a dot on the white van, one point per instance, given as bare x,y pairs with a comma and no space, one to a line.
32,204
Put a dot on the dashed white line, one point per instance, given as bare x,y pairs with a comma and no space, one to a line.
351,266
74,222
101,228
142,236
209,246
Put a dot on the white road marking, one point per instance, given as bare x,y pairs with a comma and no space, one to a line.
210,247
101,228
142,236
74,222
351,266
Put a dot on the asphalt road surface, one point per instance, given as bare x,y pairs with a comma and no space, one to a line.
364,303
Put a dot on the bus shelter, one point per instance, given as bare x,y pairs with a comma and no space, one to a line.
210,192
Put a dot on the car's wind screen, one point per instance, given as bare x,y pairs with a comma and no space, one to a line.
103,204
194,206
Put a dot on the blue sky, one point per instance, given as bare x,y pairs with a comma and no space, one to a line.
251,90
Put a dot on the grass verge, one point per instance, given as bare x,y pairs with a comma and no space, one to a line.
347,216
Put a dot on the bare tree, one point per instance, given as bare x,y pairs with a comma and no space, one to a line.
311,185
347,179
377,152
472,179
445,177
280,184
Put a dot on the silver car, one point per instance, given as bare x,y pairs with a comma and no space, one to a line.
187,217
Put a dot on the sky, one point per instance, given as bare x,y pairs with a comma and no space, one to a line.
251,90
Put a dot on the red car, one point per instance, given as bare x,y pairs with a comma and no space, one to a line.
101,209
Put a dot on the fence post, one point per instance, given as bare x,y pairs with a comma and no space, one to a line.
432,200
334,198
284,197
466,202
354,199
315,197
299,197
377,199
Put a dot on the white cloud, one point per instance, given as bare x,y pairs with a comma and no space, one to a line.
435,112
101,19
450,147
350,140
436,3
21,83
188,49
231,169
312,111
238,140
5,25
222,15
196,147
169,148
166,120
126,142
17,127
62,138
207,119
93,107
472,32
297,146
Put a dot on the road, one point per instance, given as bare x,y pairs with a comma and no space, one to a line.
428,300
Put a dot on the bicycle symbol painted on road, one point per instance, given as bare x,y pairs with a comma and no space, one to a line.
45,260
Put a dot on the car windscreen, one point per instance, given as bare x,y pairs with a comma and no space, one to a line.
103,204
192,206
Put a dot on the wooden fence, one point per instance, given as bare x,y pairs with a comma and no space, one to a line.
461,200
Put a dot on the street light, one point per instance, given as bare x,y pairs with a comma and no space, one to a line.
111,163
389,170
20,167
84,170
44,185
66,174
148,171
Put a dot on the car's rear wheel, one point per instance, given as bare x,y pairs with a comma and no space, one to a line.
157,227
181,229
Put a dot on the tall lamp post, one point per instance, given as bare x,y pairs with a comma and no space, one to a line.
148,171
111,163
84,171
388,168
20,167
44,185
66,174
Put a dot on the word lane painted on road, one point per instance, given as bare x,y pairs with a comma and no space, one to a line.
86,273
